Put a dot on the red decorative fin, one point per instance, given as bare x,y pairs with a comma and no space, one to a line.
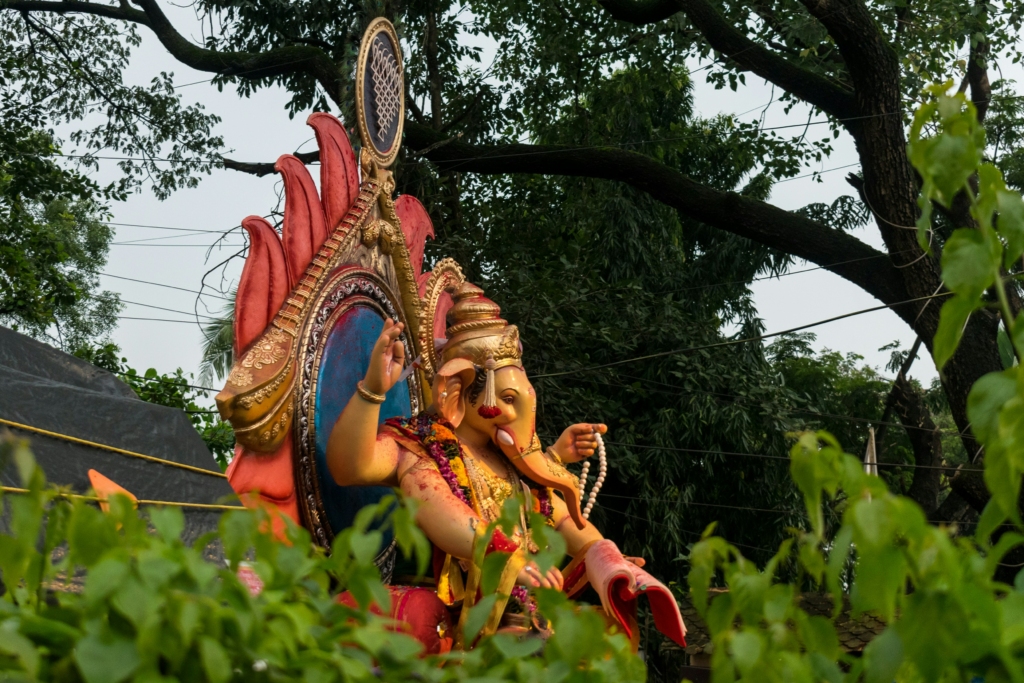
264,283
417,226
305,227
268,475
339,172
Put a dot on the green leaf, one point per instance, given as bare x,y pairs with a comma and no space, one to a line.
365,546
988,396
215,661
883,657
478,617
105,578
494,565
991,518
169,522
514,648
970,261
746,648
952,320
819,635
1011,224
91,534
135,601
109,661
18,646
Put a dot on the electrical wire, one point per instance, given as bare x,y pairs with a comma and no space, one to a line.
158,284
680,391
765,456
733,342
205,246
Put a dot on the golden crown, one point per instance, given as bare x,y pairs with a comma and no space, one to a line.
477,332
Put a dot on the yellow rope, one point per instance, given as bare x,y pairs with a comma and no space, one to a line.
101,446
202,506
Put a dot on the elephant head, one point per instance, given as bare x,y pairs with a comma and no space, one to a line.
483,386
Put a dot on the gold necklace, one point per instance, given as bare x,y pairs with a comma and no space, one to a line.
500,489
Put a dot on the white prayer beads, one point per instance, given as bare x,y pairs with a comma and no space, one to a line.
602,471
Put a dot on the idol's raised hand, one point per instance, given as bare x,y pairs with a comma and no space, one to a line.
578,442
387,360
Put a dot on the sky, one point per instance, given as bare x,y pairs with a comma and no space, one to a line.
258,129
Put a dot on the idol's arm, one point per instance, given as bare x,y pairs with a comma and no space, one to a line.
354,455
449,523
575,539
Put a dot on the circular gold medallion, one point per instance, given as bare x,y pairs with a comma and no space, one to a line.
380,92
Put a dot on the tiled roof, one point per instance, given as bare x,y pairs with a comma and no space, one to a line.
854,634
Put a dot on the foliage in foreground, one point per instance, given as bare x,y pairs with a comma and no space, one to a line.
156,610
949,618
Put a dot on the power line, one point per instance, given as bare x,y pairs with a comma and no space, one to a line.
709,505
158,284
164,227
142,240
814,173
205,246
680,391
169,310
553,151
766,456
157,320
734,342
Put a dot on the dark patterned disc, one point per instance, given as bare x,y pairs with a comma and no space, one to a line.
381,105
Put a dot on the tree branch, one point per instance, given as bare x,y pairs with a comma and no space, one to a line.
266,168
250,65
834,250
747,54
728,211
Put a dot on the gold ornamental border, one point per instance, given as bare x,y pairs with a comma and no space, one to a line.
305,469
376,27
445,277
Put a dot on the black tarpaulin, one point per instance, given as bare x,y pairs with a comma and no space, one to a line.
48,389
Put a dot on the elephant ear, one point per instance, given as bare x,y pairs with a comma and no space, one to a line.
449,381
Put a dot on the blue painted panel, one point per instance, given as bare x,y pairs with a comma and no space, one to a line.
343,363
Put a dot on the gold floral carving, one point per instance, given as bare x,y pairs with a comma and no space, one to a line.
280,425
248,400
371,233
509,348
240,377
556,469
268,350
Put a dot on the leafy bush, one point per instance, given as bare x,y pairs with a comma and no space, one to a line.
948,617
128,600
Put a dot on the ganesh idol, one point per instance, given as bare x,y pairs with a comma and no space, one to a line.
356,372
475,448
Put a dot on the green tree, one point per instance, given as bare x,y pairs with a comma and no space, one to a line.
53,243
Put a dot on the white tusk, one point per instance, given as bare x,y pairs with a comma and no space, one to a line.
505,438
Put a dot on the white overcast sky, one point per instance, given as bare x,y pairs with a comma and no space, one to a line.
258,129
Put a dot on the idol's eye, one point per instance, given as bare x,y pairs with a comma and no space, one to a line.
509,399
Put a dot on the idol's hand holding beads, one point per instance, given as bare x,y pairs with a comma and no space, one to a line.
578,442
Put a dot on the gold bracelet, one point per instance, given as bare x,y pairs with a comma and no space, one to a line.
554,456
368,395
